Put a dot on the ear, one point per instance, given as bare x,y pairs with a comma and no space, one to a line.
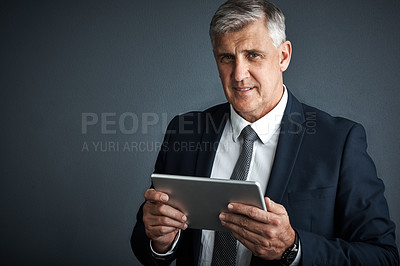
285,53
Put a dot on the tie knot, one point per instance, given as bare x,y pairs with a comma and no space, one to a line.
249,134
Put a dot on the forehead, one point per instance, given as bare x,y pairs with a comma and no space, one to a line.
253,36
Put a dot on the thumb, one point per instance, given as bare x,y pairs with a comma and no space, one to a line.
273,206
268,203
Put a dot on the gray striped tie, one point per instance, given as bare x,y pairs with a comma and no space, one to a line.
225,249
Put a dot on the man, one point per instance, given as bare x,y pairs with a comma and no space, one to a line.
325,203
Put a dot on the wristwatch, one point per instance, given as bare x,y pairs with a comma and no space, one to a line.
290,254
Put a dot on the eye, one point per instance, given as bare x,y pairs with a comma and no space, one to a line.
227,58
254,55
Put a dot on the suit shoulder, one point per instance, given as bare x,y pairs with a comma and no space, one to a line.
223,107
198,119
326,120
212,111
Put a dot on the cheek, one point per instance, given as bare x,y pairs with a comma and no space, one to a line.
260,76
225,80
224,72
266,75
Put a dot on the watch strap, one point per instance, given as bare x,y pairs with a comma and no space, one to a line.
290,254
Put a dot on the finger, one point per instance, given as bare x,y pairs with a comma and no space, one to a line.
155,196
246,223
274,207
243,234
252,212
163,220
160,210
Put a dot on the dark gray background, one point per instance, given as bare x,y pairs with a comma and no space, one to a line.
61,59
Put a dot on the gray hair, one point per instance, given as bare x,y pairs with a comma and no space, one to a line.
234,15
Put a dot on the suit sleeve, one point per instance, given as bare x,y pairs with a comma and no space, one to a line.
366,235
140,243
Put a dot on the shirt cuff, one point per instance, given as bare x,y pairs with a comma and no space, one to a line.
298,256
169,252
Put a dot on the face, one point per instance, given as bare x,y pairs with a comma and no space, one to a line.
250,68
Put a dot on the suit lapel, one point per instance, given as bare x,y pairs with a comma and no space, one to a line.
291,136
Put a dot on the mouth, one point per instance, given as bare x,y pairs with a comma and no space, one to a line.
243,88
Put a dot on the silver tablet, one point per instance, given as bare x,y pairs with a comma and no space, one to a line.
203,199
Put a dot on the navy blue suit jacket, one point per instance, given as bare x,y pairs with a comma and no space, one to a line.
321,173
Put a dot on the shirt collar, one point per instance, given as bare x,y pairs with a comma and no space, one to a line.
266,126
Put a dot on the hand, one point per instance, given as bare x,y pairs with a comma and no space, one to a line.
266,233
162,222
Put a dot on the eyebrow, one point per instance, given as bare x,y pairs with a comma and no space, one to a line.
223,54
254,51
247,51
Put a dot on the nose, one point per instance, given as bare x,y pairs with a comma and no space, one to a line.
241,71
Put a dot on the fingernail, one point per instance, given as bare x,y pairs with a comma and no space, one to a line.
184,218
164,197
230,206
185,226
222,216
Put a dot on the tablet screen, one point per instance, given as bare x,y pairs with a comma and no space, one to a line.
202,199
